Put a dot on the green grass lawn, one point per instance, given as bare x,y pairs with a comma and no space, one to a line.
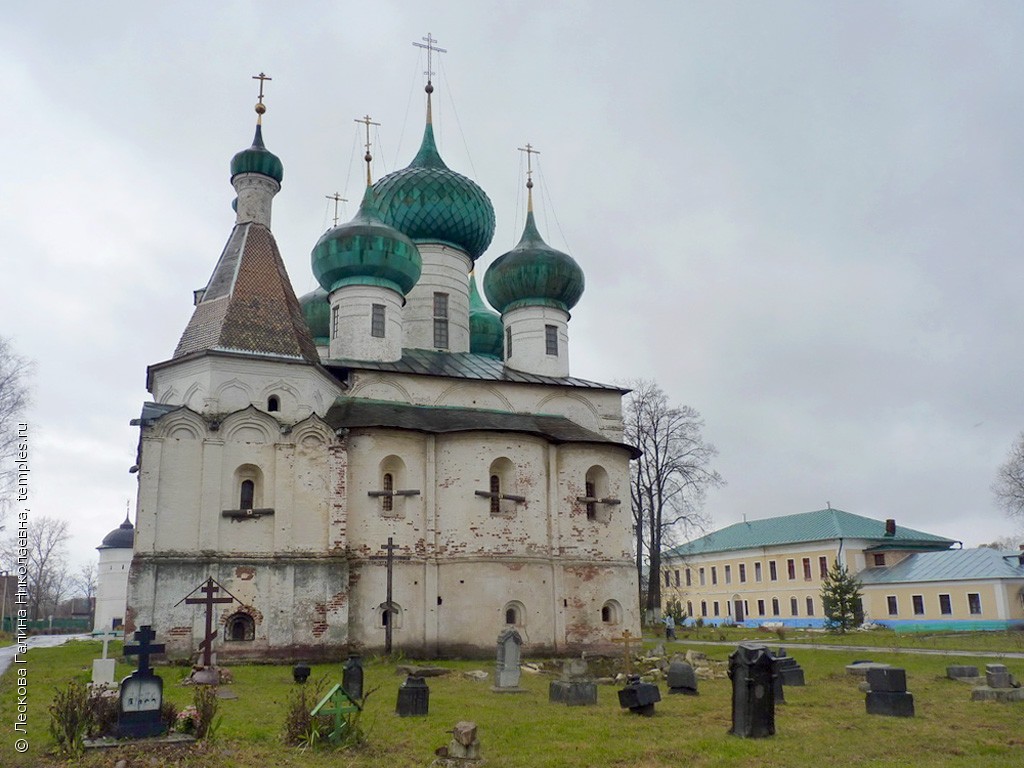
824,722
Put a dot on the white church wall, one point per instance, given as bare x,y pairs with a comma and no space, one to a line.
445,270
111,587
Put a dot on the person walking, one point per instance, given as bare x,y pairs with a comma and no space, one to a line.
670,627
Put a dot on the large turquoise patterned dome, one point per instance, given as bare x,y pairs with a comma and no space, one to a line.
258,159
486,333
366,251
317,311
431,203
533,274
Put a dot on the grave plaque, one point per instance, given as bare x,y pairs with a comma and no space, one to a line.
958,671
413,697
681,678
575,688
753,699
506,671
138,712
887,693
997,676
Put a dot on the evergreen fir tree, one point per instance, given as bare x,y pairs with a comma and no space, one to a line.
840,599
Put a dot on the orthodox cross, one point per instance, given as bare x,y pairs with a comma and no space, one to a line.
337,198
341,704
626,639
107,637
145,648
529,150
430,50
210,589
365,119
388,605
260,107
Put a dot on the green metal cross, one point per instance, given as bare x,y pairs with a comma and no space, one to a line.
340,705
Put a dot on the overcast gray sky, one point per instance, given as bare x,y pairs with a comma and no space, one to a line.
803,219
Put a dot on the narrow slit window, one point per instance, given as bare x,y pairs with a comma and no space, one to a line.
388,501
551,340
591,491
441,321
334,321
377,321
247,495
495,495
508,343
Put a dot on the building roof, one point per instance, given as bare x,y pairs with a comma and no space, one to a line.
122,537
821,525
948,565
461,365
249,305
352,413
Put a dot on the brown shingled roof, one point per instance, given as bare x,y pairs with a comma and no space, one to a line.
249,304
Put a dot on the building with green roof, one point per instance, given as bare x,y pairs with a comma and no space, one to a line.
769,572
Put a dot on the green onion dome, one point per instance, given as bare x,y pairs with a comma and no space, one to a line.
533,274
258,159
485,328
317,311
431,203
366,251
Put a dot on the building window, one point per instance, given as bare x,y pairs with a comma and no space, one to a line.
879,560
760,607
508,343
893,605
823,566
668,579
677,578
689,578
704,608
495,495
334,321
728,574
757,572
714,574
700,576
273,403
689,608
387,502
810,606
714,607
775,606
794,607
441,321
791,568
743,573
248,493
377,321
807,569
239,627
591,492
974,603
510,615
773,574
945,605
551,340
515,613
918,601
610,612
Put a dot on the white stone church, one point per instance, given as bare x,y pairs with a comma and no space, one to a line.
288,439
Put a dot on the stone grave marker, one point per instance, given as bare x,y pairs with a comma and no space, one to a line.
887,693
506,670
103,669
352,676
753,695
639,697
142,692
999,686
681,678
997,676
961,671
576,687
413,697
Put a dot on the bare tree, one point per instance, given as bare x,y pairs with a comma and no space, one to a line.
1005,544
668,482
14,372
45,559
1009,483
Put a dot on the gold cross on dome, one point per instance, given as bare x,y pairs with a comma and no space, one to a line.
262,78
337,198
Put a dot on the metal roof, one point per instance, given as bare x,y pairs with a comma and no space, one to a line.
948,565
821,525
462,365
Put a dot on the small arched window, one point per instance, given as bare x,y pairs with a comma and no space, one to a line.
515,613
388,501
239,627
273,403
248,493
606,614
496,497
611,612
510,616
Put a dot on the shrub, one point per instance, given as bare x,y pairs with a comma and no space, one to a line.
70,717
205,704
300,727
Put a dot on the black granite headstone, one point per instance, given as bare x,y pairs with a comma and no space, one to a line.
413,697
142,692
681,678
753,699
638,697
352,677
887,693
300,672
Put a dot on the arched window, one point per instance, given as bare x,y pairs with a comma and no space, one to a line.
239,627
591,505
248,494
388,486
496,501
501,484
393,477
611,612
515,613
394,616
596,485
510,616
273,403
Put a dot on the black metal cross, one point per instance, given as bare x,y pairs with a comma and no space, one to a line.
429,40
389,605
209,588
145,648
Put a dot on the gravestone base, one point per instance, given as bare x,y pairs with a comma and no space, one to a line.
960,671
509,689
984,693
573,693
172,739
890,703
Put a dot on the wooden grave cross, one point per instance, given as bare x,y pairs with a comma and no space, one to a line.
626,639
388,605
341,705
210,589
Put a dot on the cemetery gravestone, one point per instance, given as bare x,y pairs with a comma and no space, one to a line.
961,671
576,688
638,697
999,686
506,671
887,694
142,692
681,678
352,677
753,699
103,669
413,697
997,676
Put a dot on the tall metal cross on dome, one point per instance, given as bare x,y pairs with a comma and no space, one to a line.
430,50
529,150
337,198
260,107
365,119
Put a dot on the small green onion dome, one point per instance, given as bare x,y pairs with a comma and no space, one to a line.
366,251
533,274
486,333
258,159
429,202
317,311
